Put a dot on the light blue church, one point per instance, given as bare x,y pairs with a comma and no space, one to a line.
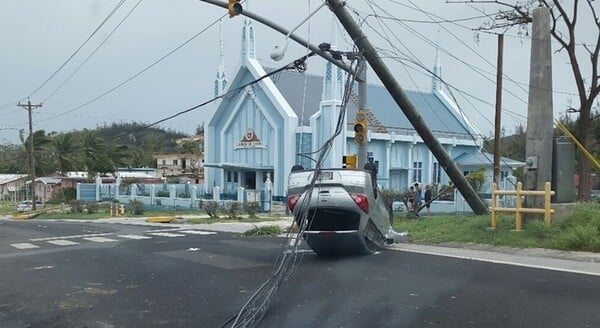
257,134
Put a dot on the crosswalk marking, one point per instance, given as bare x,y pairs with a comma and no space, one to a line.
24,246
166,234
71,237
100,239
135,237
62,242
198,232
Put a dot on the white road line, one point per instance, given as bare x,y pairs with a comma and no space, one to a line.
62,242
100,239
24,246
166,234
136,237
72,237
198,232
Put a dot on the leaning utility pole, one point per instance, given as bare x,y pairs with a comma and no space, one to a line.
384,74
497,124
29,107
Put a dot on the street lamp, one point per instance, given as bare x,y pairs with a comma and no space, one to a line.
279,52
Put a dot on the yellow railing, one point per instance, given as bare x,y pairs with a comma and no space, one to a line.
519,209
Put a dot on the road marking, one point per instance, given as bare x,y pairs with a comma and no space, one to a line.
62,242
100,239
198,232
136,237
24,246
72,237
166,234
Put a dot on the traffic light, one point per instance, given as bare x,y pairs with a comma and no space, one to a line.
349,161
234,7
360,127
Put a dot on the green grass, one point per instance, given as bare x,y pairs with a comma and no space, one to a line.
7,208
263,231
579,232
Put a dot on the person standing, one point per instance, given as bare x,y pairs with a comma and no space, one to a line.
428,199
418,198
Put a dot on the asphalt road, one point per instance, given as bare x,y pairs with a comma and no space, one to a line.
57,274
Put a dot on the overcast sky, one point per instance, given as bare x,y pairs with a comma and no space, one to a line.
38,36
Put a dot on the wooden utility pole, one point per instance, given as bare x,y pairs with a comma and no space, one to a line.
417,121
29,108
497,125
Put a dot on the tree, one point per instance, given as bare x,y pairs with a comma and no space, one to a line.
66,152
564,28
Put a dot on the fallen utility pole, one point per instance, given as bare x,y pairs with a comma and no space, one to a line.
388,80
29,107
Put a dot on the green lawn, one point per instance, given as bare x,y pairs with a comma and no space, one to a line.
580,232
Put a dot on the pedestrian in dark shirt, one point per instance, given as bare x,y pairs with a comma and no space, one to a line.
428,199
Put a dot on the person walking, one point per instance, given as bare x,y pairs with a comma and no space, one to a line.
418,198
428,199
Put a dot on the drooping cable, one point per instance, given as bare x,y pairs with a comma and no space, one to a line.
289,258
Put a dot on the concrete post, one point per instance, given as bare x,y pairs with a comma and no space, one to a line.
538,169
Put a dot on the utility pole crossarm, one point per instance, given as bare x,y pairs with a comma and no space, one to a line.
386,77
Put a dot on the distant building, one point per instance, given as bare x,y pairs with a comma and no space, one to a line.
185,167
13,187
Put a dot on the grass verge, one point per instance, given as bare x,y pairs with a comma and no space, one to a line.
579,232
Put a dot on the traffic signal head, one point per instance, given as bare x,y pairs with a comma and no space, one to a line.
234,7
349,161
360,127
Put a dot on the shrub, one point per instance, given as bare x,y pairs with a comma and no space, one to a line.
135,207
263,231
251,208
162,193
158,202
211,208
233,210
63,195
92,208
77,206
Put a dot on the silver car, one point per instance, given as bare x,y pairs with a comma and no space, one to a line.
344,212
27,205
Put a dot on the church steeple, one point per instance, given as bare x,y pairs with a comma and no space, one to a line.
333,83
248,43
436,80
221,80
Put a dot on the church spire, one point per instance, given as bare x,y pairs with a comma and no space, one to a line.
221,80
436,80
248,43
333,84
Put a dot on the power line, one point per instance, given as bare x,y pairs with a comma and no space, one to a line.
93,52
119,4
134,75
296,64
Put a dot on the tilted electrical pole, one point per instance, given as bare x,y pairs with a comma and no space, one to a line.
388,80
29,107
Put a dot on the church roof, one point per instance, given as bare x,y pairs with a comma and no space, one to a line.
486,159
299,89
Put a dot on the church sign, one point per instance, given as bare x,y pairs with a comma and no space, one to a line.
249,140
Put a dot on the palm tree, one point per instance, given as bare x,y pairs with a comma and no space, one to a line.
66,152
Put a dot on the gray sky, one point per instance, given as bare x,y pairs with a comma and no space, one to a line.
37,37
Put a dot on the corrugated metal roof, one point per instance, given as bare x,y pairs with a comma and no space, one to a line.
438,117
6,178
484,158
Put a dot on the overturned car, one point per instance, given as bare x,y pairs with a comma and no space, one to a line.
340,211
